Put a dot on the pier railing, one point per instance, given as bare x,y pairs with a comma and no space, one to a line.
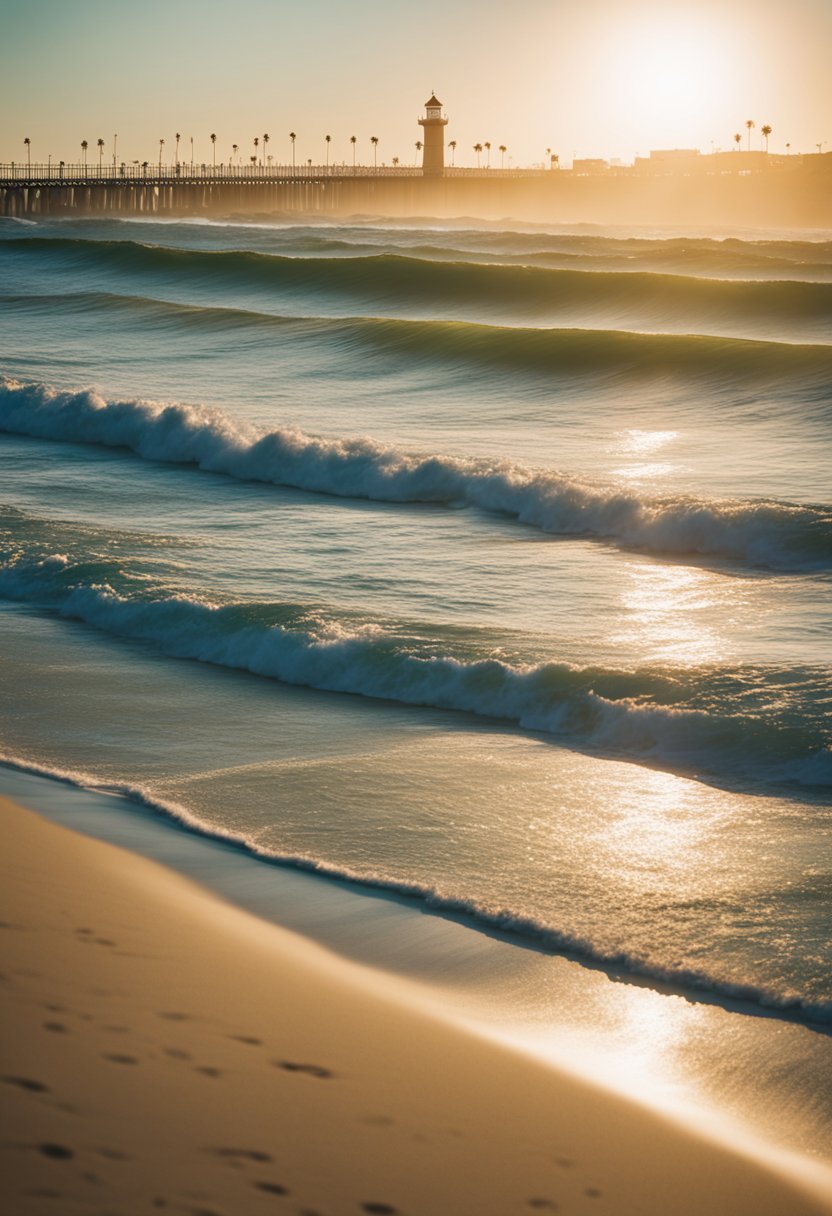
56,172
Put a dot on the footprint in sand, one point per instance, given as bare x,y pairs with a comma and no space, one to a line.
117,1059
56,1027
208,1071
311,1070
242,1154
247,1039
272,1188
379,1209
113,1154
56,1152
35,1087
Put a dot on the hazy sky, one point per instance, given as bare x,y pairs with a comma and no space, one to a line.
594,77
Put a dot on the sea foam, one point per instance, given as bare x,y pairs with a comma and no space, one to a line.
778,535
785,1002
630,714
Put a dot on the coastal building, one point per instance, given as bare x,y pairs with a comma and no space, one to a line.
590,166
433,123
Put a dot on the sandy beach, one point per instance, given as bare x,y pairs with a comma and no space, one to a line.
166,1051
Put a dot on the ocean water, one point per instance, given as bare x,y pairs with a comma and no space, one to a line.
488,564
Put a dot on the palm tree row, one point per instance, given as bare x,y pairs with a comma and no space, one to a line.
750,124
265,139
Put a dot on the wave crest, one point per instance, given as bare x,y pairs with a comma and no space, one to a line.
778,535
648,715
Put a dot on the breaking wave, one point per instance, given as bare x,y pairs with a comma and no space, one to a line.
778,535
687,721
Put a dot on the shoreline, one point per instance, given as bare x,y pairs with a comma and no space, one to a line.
141,806
373,1100
707,1062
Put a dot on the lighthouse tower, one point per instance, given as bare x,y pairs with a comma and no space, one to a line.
434,123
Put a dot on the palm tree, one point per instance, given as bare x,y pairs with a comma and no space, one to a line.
452,146
353,142
749,123
27,141
488,154
766,131
100,157
266,139
328,141
395,162
214,147
293,137
177,137
234,149
84,146
256,146
738,140
478,150
374,142
419,146
788,149
503,150
554,160
161,146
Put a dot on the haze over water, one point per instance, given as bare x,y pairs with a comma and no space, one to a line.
538,518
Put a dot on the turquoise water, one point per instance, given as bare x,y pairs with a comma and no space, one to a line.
487,565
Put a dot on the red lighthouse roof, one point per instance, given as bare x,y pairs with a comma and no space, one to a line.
433,103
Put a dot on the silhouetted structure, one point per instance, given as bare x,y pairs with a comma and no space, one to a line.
434,124
671,186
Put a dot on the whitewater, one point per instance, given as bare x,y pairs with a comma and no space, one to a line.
484,565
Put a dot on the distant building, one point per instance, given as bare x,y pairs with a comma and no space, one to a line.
741,161
670,160
433,124
590,165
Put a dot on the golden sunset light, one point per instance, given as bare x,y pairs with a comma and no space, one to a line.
415,570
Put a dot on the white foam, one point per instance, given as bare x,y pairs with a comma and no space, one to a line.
761,533
443,902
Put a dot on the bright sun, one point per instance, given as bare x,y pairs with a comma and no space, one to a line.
666,70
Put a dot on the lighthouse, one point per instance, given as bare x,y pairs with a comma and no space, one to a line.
434,123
